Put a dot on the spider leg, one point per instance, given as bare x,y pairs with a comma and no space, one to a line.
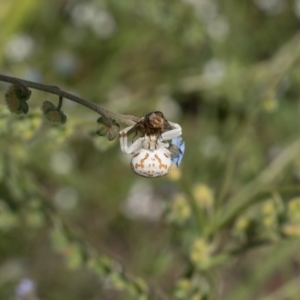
134,147
160,143
174,132
123,137
124,141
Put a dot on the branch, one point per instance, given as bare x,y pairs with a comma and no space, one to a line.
105,113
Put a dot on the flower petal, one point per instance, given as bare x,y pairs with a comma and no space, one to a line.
180,144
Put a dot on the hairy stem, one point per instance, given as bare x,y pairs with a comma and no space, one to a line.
105,113
60,103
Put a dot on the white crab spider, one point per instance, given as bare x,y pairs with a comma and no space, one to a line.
151,157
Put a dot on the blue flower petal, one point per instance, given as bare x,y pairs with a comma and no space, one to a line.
180,145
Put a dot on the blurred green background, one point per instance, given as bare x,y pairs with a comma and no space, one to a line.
226,223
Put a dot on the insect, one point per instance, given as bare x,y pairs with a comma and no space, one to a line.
151,156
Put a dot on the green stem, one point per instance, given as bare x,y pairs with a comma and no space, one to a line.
230,167
198,213
241,200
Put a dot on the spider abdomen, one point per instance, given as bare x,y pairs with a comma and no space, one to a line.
151,163
151,152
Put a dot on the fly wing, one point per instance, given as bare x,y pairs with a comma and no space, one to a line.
138,129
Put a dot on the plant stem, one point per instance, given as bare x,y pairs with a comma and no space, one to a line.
60,103
105,113
237,203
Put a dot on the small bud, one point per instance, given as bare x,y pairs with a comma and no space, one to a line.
115,123
55,116
22,92
24,107
110,132
13,103
47,105
63,118
102,131
113,132
101,121
15,100
52,113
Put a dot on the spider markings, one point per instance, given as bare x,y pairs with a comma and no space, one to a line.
151,156
148,163
141,161
161,165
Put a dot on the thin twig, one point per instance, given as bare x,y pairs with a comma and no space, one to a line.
105,113
60,103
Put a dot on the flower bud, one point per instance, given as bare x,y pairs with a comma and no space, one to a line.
47,105
15,99
112,132
102,131
55,116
